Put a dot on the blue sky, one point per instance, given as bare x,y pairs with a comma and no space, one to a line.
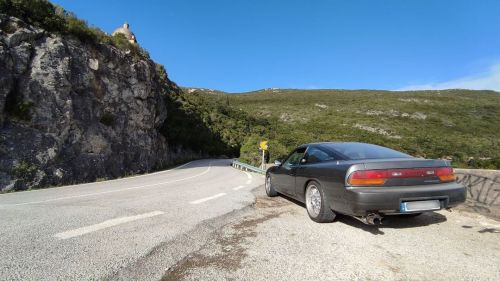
243,45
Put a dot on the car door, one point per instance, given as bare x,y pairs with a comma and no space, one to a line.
332,174
307,170
285,175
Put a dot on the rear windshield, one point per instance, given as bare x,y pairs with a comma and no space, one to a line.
356,151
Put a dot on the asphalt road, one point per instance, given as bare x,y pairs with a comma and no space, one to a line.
208,221
131,228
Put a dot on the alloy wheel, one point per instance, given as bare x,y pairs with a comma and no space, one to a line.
313,200
268,184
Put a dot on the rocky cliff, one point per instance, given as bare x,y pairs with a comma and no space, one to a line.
75,112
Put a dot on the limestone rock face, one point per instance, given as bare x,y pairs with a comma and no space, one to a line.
71,113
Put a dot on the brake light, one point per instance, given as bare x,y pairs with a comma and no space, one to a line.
379,177
445,174
369,177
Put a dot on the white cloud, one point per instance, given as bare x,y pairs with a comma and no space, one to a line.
487,81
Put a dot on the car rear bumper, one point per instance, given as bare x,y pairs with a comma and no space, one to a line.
387,200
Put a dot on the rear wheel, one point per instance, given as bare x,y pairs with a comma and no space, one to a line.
317,208
270,191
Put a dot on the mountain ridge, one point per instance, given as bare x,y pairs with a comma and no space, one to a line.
265,90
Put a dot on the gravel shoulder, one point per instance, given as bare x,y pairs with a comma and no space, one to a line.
275,240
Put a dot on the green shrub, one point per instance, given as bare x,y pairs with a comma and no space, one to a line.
36,12
120,41
79,28
24,171
249,152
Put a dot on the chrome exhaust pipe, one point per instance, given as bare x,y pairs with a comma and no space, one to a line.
374,219
371,219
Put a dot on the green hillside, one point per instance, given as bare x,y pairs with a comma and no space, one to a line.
460,125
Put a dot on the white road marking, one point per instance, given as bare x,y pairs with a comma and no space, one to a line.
207,198
110,191
107,181
249,176
238,187
106,224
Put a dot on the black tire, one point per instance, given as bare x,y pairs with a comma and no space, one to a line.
270,191
316,206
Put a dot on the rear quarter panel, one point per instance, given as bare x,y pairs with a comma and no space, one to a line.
331,177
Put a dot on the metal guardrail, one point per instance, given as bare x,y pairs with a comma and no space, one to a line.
245,167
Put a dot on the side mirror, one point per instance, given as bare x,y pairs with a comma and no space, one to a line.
277,162
303,161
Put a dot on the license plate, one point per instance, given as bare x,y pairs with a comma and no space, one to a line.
414,206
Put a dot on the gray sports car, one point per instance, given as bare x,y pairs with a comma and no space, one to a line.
363,180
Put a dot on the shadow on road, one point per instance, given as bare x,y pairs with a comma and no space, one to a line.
395,221
489,230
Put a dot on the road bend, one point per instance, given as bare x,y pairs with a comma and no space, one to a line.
92,231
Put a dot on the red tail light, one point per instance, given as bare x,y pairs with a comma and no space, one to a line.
379,177
368,177
445,174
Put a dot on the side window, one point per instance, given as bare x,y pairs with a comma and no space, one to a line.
315,155
295,157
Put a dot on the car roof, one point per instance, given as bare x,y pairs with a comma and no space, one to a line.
328,142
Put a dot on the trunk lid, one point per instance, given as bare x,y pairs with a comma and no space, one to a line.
414,171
